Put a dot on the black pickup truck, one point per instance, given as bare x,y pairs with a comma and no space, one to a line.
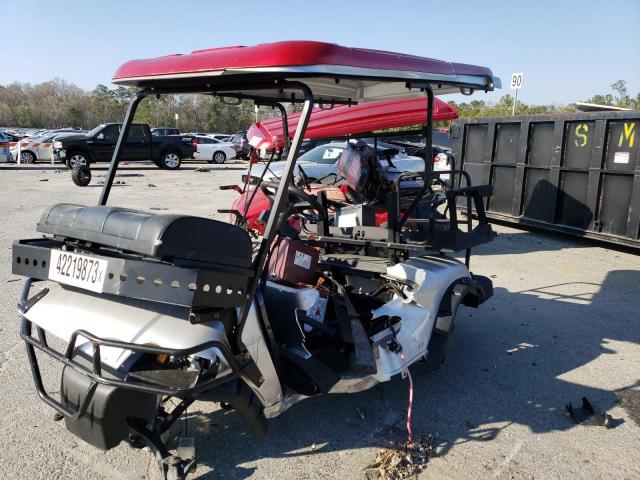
99,144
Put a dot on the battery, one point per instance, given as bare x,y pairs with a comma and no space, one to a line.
293,262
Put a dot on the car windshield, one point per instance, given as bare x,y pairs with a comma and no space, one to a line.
95,130
326,154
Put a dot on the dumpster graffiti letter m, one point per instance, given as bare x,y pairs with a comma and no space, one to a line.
628,135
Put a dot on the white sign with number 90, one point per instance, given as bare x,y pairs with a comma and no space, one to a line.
516,81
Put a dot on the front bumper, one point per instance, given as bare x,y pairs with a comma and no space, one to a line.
95,377
60,154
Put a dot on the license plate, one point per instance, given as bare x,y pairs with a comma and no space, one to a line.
78,270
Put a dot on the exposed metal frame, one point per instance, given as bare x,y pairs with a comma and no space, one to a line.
282,193
279,203
95,373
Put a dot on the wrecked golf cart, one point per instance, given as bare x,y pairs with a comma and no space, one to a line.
158,307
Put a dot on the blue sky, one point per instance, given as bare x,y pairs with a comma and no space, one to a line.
568,49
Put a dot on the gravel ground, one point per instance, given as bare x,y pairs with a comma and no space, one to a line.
563,324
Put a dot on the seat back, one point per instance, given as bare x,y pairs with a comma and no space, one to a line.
179,238
359,166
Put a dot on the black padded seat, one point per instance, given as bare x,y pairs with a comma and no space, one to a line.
177,238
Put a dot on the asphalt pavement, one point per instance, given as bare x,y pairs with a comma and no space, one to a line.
563,324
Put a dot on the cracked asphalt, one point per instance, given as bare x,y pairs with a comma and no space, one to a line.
563,324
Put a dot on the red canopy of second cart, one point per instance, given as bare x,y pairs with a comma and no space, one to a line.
350,120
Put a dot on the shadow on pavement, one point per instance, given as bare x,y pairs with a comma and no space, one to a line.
504,367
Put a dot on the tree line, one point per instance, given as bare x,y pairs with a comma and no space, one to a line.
619,97
58,103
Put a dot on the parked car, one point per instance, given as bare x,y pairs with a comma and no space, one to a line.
99,144
223,137
241,145
213,150
164,131
5,156
33,149
320,163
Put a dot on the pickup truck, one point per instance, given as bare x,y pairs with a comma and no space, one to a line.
99,144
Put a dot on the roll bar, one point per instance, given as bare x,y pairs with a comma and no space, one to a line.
293,149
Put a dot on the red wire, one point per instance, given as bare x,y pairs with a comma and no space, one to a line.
410,408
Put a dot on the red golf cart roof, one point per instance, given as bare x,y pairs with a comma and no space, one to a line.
348,120
333,72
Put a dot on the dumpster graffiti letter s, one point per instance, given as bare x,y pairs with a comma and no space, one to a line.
629,134
581,133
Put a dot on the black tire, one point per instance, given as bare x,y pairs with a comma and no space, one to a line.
81,175
76,159
442,328
219,157
170,160
27,157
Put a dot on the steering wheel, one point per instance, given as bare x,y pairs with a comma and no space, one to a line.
304,201
304,178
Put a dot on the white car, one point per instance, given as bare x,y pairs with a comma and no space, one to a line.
223,137
213,150
34,149
320,164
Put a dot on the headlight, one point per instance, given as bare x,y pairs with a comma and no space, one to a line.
57,144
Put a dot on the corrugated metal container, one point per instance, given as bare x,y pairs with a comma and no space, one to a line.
576,173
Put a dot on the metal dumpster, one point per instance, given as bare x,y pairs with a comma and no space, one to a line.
574,173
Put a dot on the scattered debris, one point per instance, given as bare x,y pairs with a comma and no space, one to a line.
201,169
401,461
630,401
151,185
158,208
360,413
117,182
586,415
44,179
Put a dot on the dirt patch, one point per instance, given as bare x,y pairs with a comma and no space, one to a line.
400,461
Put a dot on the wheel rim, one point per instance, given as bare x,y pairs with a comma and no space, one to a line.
171,160
218,157
77,160
26,157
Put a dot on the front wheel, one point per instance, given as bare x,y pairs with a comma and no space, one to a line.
77,160
27,157
171,160
219,157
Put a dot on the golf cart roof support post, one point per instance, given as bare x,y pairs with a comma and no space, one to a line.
427,132
124,132
285,120
428,137
285,128
278,203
